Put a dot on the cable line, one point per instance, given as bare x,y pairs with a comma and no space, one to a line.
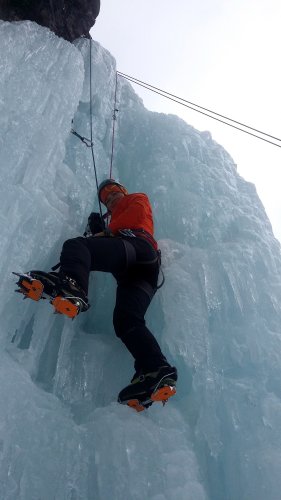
178,100
200,107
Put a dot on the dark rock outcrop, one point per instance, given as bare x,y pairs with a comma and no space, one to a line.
69,19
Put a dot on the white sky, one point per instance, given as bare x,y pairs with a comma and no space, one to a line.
221,54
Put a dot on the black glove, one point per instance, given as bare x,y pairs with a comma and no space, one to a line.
95,224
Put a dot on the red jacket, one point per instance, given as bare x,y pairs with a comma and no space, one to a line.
133,211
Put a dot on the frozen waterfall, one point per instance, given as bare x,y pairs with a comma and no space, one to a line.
63,436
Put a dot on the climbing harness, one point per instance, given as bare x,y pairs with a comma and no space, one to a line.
135,233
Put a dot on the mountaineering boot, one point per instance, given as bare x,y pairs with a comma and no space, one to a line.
65,294
148,388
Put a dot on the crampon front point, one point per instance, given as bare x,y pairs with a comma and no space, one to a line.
161,395
31,288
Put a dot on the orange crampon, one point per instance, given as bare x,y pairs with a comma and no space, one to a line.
65,306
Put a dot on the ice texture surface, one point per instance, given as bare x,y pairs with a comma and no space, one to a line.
218,316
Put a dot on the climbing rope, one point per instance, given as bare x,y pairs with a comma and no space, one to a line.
89,142
114,118
190,105
91,127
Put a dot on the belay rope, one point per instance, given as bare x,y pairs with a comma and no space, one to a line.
91,127
114,118
89,142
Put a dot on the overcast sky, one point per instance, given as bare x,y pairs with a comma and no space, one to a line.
221,54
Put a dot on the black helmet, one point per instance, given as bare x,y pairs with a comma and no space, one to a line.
107,182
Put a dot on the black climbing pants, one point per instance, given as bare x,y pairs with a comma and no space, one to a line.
134,264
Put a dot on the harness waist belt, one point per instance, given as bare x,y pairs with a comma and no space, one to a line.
140,233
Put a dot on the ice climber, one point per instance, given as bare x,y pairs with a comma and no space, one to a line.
127,250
